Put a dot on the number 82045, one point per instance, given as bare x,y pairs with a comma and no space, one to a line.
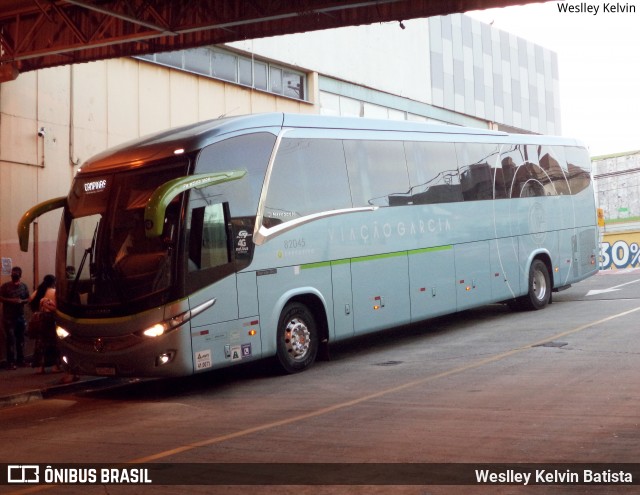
294,243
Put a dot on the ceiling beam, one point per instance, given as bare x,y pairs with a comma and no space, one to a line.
36,34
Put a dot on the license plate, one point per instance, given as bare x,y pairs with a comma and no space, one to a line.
106,370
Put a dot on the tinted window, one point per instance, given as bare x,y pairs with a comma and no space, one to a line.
377,172
105,246
550,162
523,177
208,242
250,152
308,176
433,173
208,246
578,168
538,177
477,163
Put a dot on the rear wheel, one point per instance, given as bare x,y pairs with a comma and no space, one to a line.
297,344
539,294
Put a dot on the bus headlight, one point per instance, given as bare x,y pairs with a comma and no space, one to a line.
161,328
61,333
154,331
177,321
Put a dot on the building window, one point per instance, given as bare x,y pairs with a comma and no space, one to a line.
225,66
275,76
228,66
293,84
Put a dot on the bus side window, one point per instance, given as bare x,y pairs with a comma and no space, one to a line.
309,176
477,163
578,168
250,152
377,172
549,162
523,176
208,239
433,172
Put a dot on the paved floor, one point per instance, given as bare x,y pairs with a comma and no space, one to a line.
25,385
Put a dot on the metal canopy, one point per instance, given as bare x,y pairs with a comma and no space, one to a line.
36,34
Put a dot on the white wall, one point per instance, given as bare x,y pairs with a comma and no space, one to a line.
85,109
362,55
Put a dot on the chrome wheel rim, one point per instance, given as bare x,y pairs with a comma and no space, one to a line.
297,339
539,285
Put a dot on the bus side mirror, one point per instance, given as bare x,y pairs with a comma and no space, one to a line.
31,214
156,208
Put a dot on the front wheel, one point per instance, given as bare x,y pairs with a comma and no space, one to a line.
297,344
539,294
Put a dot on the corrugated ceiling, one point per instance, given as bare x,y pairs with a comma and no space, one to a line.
36,34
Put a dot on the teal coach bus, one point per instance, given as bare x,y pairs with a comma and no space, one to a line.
274,235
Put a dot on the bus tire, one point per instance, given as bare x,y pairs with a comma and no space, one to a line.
297,345
539,294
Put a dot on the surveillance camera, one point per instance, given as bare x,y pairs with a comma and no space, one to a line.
41,132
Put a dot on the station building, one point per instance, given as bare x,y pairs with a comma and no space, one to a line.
616,180
452,69
617,186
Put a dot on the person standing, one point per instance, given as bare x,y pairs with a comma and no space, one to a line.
43,305
14,295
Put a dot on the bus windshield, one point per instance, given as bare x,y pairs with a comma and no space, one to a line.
104,257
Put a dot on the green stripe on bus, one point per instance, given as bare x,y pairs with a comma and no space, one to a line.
320,264
431,249
341,262
323,264
379,256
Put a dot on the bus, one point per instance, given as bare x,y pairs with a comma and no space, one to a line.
274,235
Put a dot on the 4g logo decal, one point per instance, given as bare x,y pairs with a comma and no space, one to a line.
243,243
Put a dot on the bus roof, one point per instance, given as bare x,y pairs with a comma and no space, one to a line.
195,136
163,144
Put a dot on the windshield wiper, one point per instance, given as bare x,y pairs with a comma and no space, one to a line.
89,250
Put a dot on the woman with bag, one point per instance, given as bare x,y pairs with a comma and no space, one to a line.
42,326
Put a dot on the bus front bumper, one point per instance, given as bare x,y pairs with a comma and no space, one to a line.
128,355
